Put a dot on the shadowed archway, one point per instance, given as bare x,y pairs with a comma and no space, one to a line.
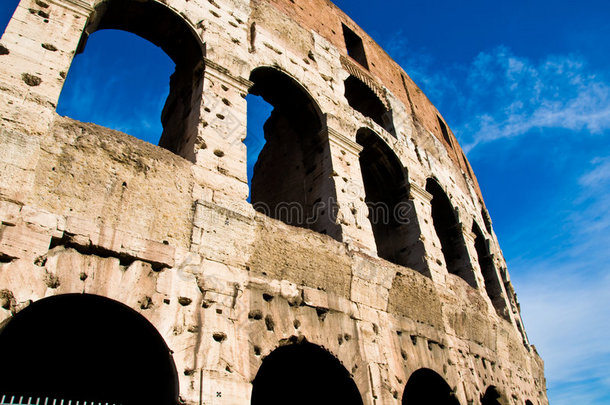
86,347
302,374
449,233
391,213
291,179
493,396
426,387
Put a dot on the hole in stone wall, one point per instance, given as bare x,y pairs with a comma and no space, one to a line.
427,387
86,347
121,81
362,99
387,197
449,233
355,47
492,283
303,374
291,179
444,130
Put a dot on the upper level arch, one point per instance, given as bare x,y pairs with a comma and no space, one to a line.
493,286
364,100
303,373
291,180
450,233
386,186
56,340
158,23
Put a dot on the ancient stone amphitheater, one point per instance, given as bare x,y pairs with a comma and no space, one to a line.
364,269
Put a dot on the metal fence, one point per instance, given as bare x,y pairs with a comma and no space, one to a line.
25,400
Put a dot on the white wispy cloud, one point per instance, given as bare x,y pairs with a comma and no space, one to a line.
508,95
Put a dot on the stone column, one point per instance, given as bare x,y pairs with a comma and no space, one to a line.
352,212
36,51
471,266
432,260
220,154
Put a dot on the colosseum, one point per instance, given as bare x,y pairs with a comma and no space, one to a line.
359,266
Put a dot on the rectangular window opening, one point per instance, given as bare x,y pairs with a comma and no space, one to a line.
444,130
355,47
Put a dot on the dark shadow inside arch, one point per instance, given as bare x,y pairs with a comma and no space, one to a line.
391,212
291,179
493,397
158,24
86,347
426,387
493,287
449,233
362,99
303,374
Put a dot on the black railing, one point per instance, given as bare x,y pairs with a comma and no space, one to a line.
27,400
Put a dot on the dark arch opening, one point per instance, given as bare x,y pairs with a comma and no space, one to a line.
449,233
362,99
303,373
528,402
493,397
490,275
291,179
387,197
86,347
426,387
158,24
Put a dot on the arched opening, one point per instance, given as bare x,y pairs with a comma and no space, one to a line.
387,198
86,348
493,397
291,179
426,387
303,374
151,20
528,402
490,275
449,233
362,99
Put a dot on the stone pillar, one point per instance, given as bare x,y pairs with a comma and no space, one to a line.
37,49
220,155
471,266
352,211
433,262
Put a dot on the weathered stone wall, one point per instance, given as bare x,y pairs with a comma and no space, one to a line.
85,209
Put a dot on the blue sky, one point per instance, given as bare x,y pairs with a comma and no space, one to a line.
525,86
